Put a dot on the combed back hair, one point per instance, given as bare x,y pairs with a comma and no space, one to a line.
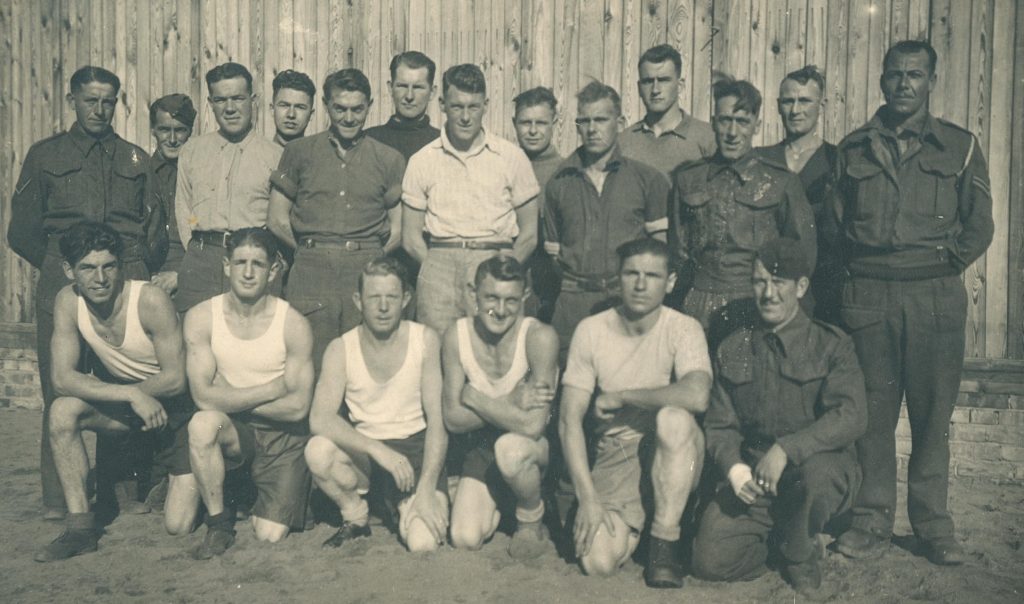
294,80
596,91
904,47
466,77
502,268
90,73
382,267
660,54
413,59
86,237
349,79
807,73
541,95
643,245
747,97
256,237
227,71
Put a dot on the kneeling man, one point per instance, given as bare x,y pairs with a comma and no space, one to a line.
137,382
250,368
500,372
388,374
787,406
648,366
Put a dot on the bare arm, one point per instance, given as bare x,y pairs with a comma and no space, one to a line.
574,406
436,446
208,392
457,417
395,236
412,232
324,417
293,406
279,217
526,217
690,393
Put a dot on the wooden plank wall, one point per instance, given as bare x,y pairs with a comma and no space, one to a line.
162,46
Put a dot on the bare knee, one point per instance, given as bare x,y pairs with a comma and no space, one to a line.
204,427
319,455
419,539
64,414
676,429
467,536
601,561
269,531
514,453
178,524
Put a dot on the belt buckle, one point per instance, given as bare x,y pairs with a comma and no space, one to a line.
224,239
308,243
351,246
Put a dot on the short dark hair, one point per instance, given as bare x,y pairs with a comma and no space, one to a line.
541,95
807,73
88,74
254,236
294,80
228,71
348,79
596,91
502,268
86,237
660,54
413,59
747,96
382,267
643,245
466,77
905,47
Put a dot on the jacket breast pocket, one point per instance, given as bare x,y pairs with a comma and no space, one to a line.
867,199
937,198
127,189
756,219
63,175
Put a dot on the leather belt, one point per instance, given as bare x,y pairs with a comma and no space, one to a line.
471,245
349,245
215,238
591,283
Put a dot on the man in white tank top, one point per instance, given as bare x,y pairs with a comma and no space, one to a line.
500,372
387,372
250,369
645,370
137,381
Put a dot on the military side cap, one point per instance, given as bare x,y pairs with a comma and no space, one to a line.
178,105
784,257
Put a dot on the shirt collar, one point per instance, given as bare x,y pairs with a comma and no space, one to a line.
743,167
85,141
224,142
421,123
160,162
684,129
483,141
791,335
339,149
615,160
925,127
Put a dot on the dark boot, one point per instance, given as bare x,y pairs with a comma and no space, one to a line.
220,535
80,537
664,571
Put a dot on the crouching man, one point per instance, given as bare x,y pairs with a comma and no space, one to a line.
787,405
137,380
649,368
388,374
250,369
500,372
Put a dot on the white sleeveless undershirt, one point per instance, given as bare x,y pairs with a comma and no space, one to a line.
247,363
388,410
478,378
135,359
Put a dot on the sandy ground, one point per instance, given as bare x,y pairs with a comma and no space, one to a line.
137,561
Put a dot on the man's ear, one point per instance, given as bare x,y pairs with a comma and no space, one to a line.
357,299
406,298
802,285
670,283
227,266
68,272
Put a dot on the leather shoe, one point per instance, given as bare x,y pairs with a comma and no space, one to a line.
944,551
347,532
663,568
805,577
861,545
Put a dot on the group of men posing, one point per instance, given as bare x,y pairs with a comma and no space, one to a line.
681,297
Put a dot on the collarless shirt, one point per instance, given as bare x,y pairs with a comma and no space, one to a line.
222,185
472,194
71,177
545,165
406,136
335,193
583,227
691,140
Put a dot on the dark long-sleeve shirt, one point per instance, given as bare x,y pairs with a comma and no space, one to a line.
71,177
166,174
404,136
800,387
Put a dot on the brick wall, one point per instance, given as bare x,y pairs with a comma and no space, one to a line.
19,373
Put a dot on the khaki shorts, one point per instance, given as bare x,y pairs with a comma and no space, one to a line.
278,468
621,469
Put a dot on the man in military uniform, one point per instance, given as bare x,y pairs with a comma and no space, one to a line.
86,173
725,208
913,209
787,406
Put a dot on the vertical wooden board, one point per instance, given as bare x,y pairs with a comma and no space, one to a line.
919,20
632,49
592,43
835,124
511,37
859,55
96,28
286,35
64,66
207,35
271,47
611,68
998,156
652,23
879,17
143,71
21,69
679,33
300,20
489,57
951,21
323,62
46,64
817,42
242,25
565,25
763,28
10,287
80,33
372,41
188,70
33,56
540,47
732,48
777,47
796,37
336,55
128,63
1015,282
432,45
899,19
255,52
704,32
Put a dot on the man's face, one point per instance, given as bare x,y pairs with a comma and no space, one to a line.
292,110
598,126
232,101
94,105
97,276
534,127
465,115
778,299
907,83
348,110
499,303
249,270
411,91
170,135
381,302
799,106
659,86
734,129
645,280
